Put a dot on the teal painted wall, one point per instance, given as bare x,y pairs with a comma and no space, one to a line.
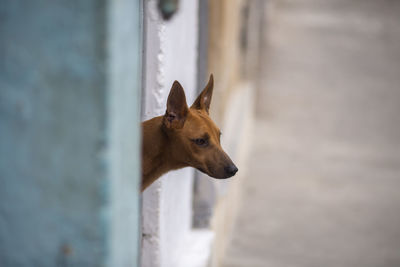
69,168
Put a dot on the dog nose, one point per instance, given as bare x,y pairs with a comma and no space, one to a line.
231,170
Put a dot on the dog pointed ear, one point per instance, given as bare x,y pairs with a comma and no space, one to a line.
177,108
203,101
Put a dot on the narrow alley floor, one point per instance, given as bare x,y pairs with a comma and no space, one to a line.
323,188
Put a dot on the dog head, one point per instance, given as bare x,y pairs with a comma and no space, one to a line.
195,137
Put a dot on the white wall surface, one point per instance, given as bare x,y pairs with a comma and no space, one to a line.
170,54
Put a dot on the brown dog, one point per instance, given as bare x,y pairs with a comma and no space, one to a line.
184,137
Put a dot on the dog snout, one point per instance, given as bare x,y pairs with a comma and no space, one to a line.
230,170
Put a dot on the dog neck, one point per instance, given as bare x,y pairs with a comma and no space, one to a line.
156,158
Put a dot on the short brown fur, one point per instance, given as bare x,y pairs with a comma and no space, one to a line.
184,137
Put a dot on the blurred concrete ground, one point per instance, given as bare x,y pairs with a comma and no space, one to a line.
324,182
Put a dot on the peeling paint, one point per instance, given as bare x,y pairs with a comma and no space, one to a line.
171,54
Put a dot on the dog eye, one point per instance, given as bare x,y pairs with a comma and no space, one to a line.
201,142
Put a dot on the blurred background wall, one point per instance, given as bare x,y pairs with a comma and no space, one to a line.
321,187
70,135
234,48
